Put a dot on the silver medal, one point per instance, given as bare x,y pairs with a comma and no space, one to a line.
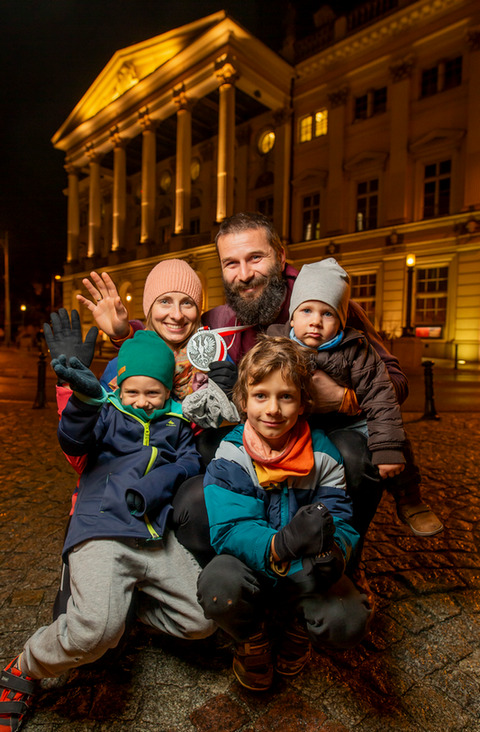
204,347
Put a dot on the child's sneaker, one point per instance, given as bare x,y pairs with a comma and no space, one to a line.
252,662
16,696
294,651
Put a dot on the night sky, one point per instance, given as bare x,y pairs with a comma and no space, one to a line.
51,51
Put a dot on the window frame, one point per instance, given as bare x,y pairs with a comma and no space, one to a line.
315,129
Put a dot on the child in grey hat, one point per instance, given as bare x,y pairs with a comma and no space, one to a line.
318,313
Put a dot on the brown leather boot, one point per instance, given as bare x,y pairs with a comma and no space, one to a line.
252,662
294,650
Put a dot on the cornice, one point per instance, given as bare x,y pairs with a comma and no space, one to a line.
370,38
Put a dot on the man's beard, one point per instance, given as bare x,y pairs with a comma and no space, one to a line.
261,310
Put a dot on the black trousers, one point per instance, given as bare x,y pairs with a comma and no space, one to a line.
239,599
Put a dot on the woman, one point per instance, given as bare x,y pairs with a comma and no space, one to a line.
172,303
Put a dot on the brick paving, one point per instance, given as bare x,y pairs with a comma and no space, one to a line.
418,669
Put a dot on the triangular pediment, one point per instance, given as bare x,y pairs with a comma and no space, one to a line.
132,64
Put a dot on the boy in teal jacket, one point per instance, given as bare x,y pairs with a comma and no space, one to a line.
280,522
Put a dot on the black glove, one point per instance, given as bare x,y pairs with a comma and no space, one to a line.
224,374
310,531
135,502
65,339
79,377
327,567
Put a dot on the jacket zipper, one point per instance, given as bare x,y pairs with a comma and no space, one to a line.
154,536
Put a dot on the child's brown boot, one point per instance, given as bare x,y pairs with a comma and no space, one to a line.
252,662
294,650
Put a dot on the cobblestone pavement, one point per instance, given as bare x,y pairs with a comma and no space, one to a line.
417,670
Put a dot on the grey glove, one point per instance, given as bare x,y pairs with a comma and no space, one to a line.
65,338
309,532
79,377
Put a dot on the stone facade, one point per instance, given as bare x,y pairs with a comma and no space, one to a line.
367,149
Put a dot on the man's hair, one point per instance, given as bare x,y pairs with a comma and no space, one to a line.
271,354
248,220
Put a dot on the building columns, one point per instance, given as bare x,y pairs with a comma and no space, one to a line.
472,162
94,205
283,143
148,178
336,154
119,212
397,180
73,221
227,75
183,185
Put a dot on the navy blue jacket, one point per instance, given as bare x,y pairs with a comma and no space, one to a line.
125,452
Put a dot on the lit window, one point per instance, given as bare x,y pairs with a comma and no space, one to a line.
313,125
195,169
311,217
436,189
165,181
363,291
431,296
367,205
266,142
321,123
306,128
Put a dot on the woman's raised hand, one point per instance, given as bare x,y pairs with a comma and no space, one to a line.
107,308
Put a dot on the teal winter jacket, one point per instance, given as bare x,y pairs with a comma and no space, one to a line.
243,516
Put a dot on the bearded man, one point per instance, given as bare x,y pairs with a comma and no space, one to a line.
258,283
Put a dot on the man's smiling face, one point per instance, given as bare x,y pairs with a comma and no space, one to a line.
252,275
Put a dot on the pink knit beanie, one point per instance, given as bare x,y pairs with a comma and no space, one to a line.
172,275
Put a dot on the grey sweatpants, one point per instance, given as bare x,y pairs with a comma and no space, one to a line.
103,575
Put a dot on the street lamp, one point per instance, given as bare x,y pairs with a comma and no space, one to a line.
8,319
408,330
52,291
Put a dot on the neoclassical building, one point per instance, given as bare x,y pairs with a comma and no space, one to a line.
360,140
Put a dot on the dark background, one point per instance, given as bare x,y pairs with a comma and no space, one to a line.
51,51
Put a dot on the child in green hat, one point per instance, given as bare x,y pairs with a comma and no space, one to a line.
139,449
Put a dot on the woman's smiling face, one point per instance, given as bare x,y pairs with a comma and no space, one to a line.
174,317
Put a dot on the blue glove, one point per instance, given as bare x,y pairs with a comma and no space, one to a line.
135,503
79,377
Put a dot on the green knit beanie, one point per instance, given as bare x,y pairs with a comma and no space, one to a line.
146,354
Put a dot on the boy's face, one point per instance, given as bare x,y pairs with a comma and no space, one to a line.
273,407
314,322
143,392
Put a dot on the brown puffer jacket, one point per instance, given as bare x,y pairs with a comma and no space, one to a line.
354,363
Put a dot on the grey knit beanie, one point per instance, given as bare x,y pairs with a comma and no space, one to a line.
325,281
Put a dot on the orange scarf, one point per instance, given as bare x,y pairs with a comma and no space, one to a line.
296,458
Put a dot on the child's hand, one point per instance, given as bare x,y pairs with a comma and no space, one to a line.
310,531
135,503
390,470
78,376
65,338
327,568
